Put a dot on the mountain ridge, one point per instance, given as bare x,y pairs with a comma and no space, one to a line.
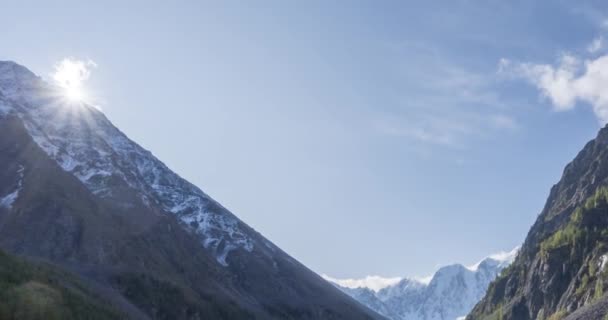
559,273
452,291
94,202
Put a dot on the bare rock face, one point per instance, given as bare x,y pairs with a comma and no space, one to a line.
560,271
77,192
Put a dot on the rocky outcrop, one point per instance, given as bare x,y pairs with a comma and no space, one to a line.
561,265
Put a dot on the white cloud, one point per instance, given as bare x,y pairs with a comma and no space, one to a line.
425,280
372,282
505,256
502,256
568,82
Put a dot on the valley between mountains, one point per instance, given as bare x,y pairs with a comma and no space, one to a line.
93,226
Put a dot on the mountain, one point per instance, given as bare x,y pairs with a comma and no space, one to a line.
77,193
450,294
560,271
35,290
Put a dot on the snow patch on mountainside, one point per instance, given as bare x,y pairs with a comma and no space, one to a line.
85,143
449,295
8,200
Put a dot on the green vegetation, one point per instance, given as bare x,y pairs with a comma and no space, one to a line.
574,251
563,237
599,290
578,229
558,315
599,198
163,299
583,286
167,300
587,230
32,291
496,315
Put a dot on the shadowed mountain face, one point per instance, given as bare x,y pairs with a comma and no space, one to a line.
76,192
35,290
560,271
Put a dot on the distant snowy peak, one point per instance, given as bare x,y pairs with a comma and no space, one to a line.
449,294
504,258
374,283
85,143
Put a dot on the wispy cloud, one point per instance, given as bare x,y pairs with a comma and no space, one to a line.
454,130
596,45
445,104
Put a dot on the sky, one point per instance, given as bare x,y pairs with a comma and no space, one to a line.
362,137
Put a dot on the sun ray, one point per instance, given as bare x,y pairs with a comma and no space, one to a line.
70,76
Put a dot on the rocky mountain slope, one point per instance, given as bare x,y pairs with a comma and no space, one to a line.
561,271
75,191
451,293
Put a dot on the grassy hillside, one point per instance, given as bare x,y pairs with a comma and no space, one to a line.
30,291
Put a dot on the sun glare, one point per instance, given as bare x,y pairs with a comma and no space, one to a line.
70,76
74,93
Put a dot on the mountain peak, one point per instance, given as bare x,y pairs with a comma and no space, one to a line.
6,64
450,293
500,258
558,271
10,70
88,145
79,193
15,78
602,135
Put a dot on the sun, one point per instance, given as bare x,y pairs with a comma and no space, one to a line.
74,93
70,75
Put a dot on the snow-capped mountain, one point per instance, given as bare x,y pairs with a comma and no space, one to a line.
76,191
448,295
86,144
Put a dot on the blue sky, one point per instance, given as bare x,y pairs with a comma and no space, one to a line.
363,137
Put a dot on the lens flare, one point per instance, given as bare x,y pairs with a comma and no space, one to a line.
70,75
